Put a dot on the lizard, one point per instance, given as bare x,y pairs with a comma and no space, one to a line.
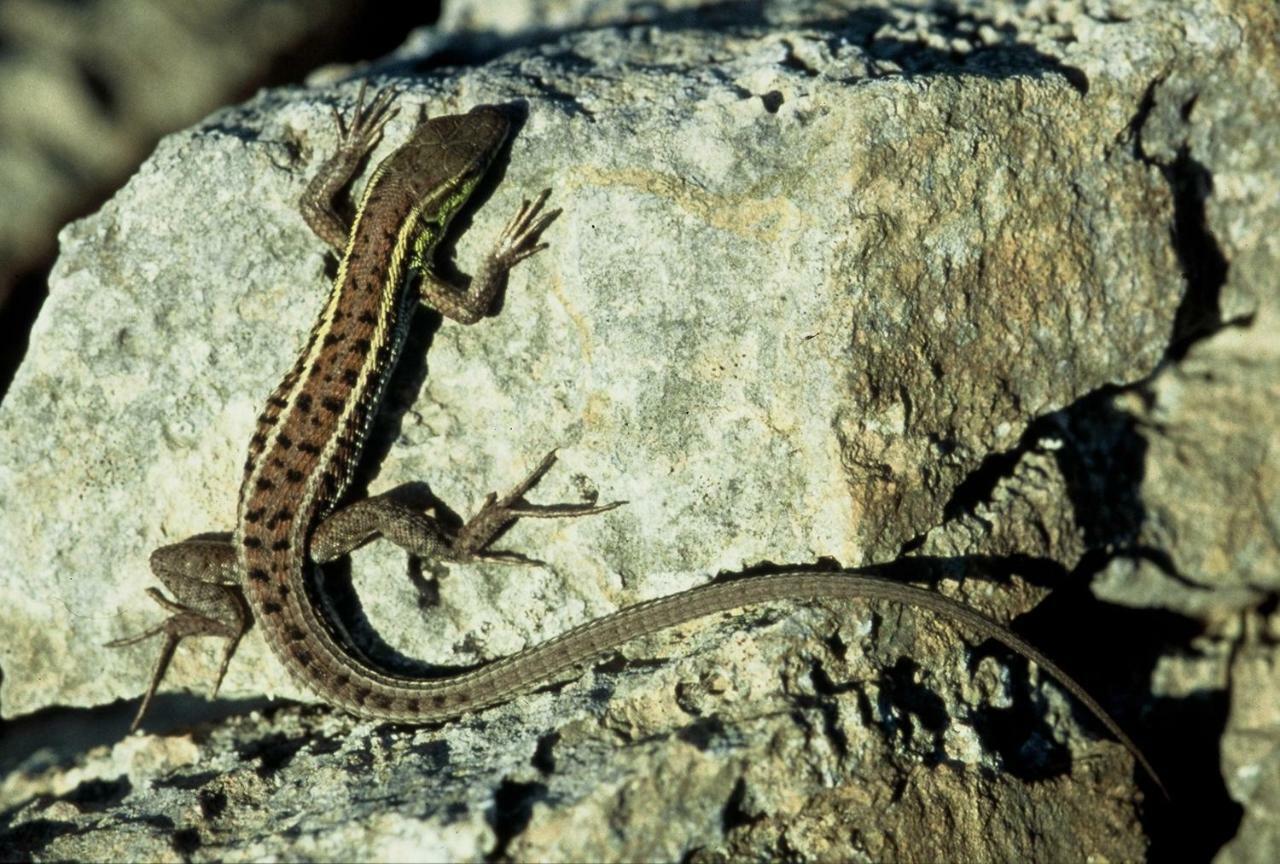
291,513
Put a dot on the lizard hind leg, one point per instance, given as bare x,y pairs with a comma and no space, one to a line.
422,536
201,574
496,514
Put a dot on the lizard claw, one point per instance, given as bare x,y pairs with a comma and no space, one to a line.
497,513
367,121
519,239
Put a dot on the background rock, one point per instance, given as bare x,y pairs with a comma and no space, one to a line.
87,88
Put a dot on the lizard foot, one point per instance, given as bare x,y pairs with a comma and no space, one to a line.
182,623
497,513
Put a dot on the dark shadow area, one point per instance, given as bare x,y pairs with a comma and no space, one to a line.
996,54
274,751
55,737
511,813
17,315
544,754
28,840
733,814
342,599
1113,650
1203,264
909,709
1180,736
1103,462
981,482
823,703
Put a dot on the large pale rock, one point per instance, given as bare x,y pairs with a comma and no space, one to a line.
824,287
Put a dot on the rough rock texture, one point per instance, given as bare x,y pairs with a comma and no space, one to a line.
991,288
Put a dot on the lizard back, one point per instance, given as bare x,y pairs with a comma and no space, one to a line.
310,434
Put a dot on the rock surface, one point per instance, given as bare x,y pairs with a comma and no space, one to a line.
985,286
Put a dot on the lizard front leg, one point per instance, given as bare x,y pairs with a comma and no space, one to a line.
518,240
203,575
355,142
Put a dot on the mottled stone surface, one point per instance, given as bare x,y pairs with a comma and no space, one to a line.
990,286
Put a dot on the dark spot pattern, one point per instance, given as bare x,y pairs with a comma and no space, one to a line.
301,424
